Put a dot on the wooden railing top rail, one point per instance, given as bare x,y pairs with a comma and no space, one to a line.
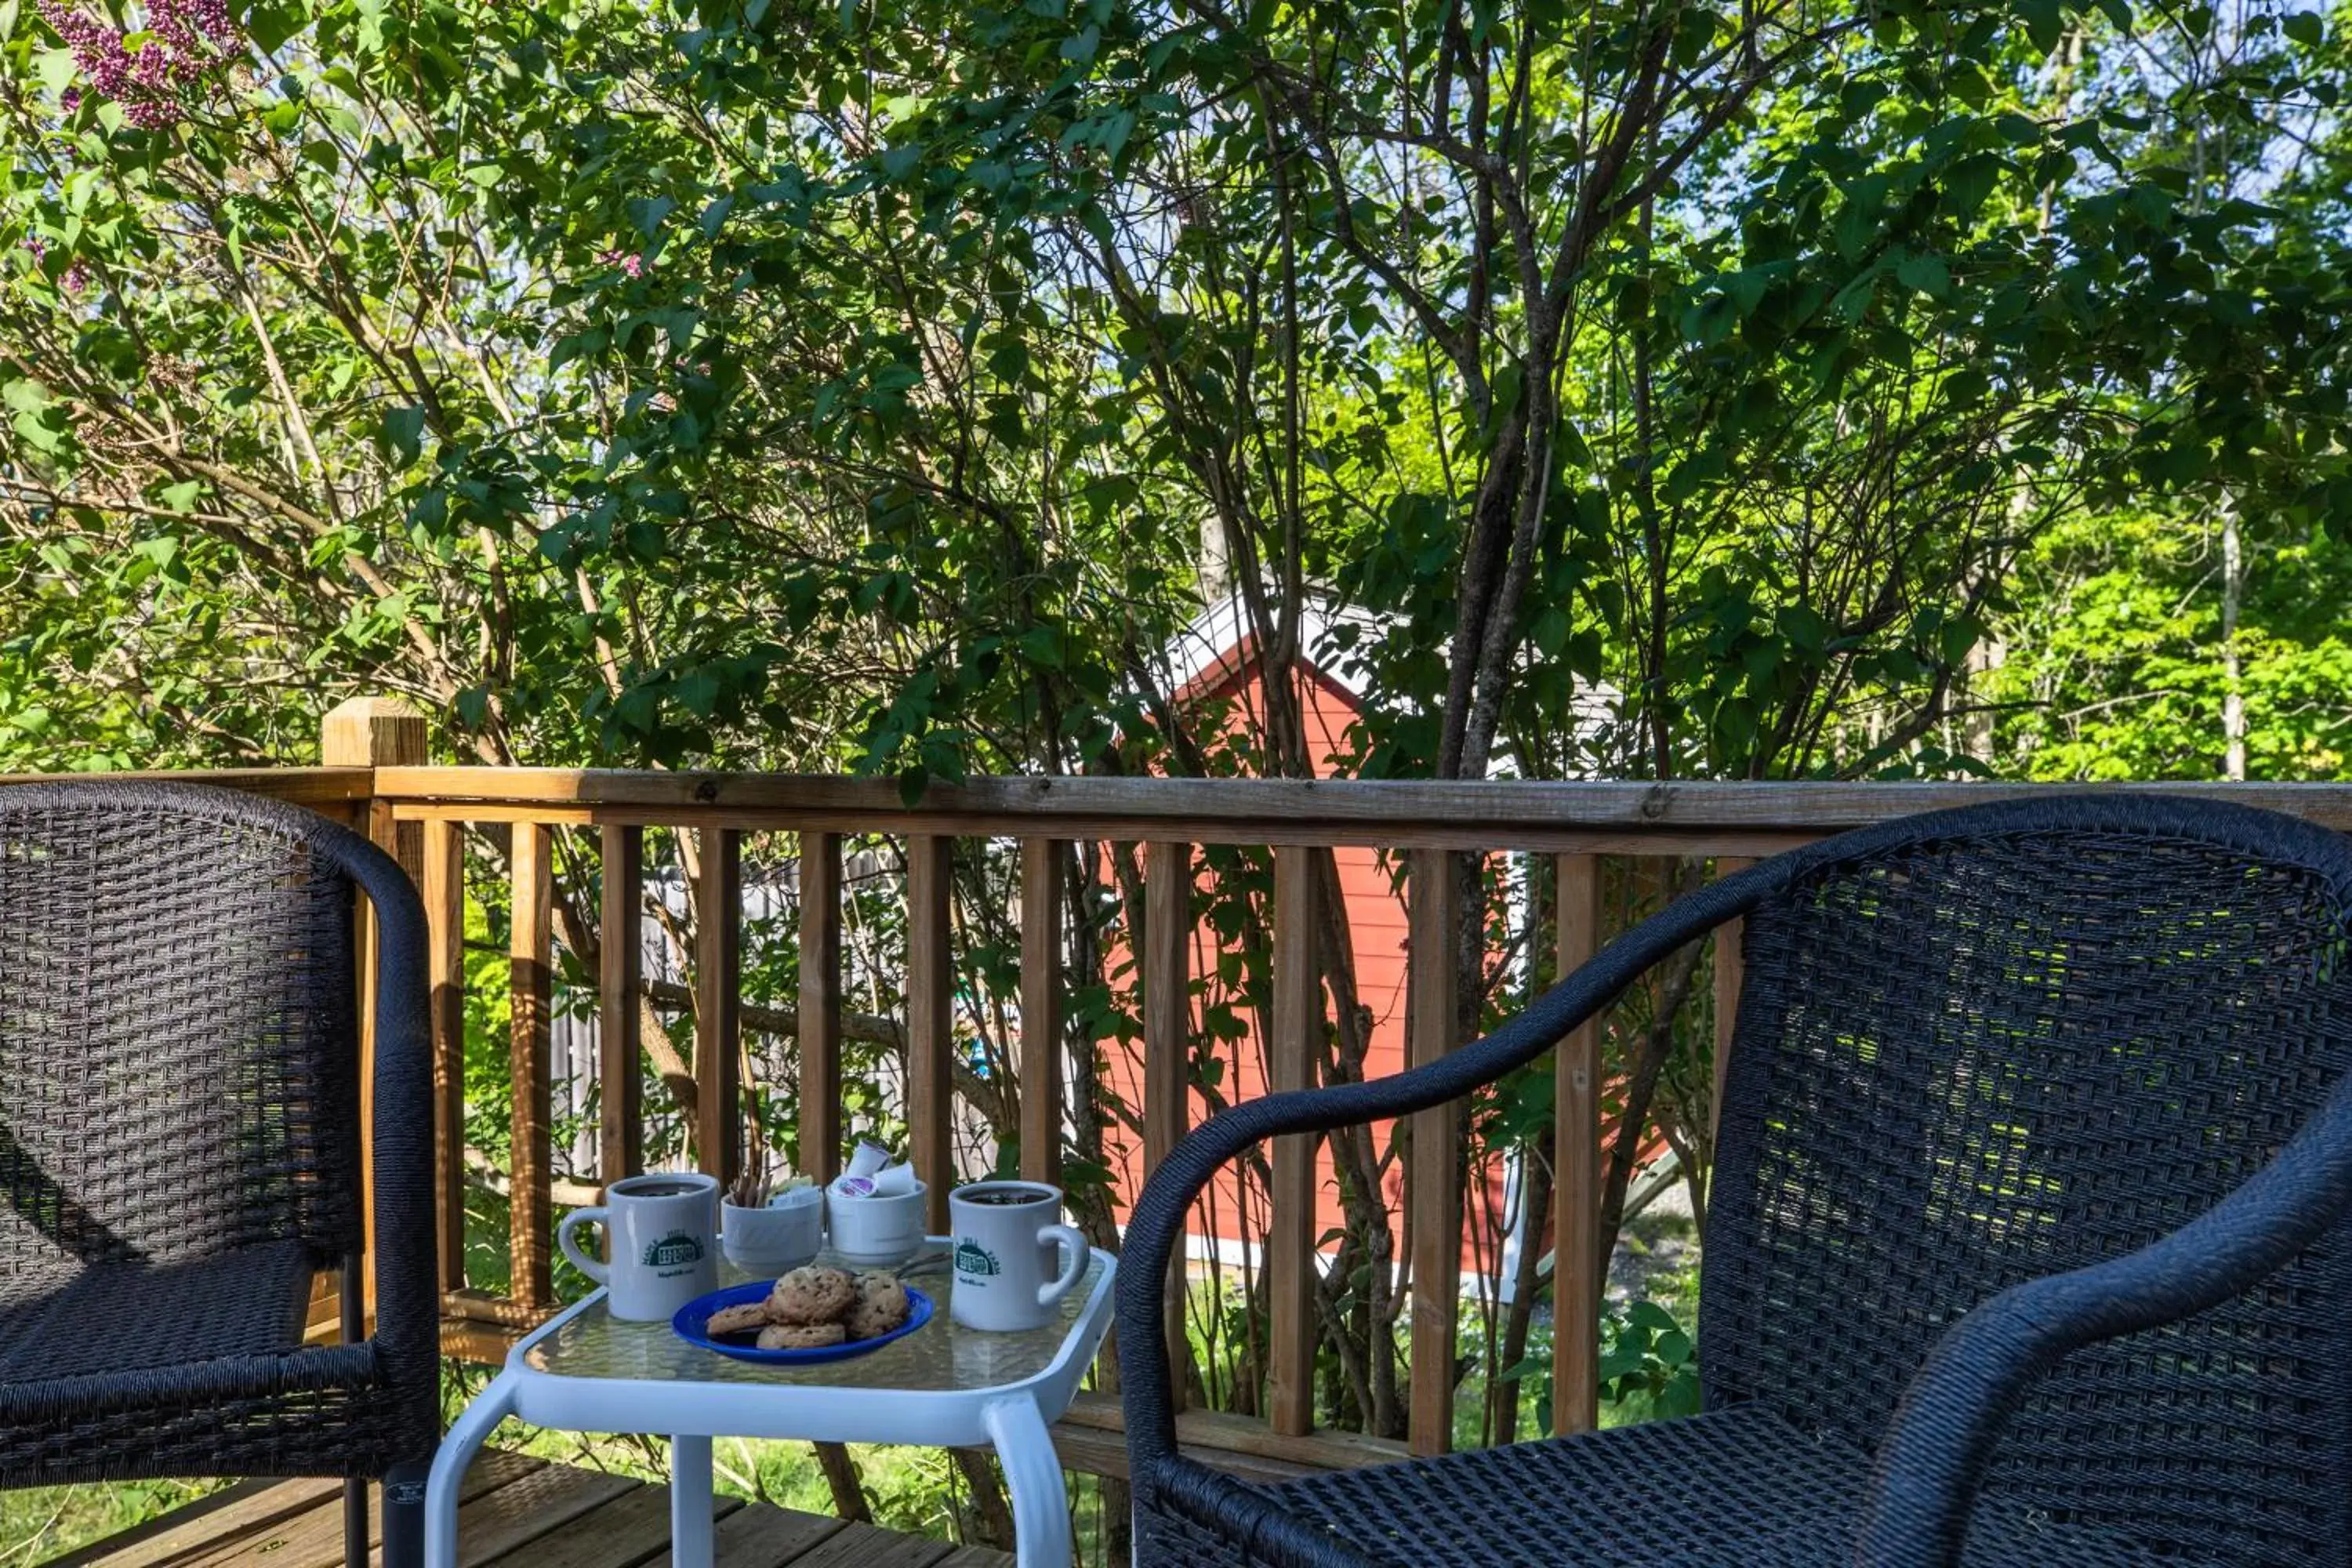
1593,817
302,787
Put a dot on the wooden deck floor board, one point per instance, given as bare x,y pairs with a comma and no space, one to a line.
314,1538
627,1531
763,1537
975,1557
863,1546
251,1515
516,1512
518,1515
239,1511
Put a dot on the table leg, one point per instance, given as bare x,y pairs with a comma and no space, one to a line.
689,1503
467,1435
1032,1473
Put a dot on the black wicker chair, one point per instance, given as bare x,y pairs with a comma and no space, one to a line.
2028,1244
180,1149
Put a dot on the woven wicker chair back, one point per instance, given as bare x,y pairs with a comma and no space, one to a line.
1960,1065
177,1042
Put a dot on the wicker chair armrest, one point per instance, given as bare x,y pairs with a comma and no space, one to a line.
1268,1533
407,1290
1932,1457
1158,1219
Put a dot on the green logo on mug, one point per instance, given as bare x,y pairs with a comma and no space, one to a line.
673,1250
970,1258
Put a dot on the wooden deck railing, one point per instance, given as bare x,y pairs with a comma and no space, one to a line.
421,812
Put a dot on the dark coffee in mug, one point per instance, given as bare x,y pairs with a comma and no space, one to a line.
1001,1197
664,1189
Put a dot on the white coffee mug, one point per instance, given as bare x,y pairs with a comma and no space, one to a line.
1006,1235
663,1243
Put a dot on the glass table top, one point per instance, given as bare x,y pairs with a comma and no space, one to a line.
942,1355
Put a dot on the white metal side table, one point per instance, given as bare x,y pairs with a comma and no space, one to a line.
943,1385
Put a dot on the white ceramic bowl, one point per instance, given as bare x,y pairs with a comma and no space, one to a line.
875,1233
771,1241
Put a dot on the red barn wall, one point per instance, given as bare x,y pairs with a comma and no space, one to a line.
1377,927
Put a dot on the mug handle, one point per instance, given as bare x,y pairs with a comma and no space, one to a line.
581,1260
1074,1242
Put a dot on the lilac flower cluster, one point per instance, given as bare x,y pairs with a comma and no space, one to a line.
77,276
152,82
628,261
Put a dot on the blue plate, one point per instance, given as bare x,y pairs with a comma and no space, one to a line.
691,1318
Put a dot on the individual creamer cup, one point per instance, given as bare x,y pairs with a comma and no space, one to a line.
853,1187
895,1182
866,1158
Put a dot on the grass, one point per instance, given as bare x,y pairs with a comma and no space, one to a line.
42,1522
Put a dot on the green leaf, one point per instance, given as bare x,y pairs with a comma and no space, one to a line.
2045,23
271,24
2304,26
38,433
647,213
403,432
1647,1314
1925,273
575,345
26,397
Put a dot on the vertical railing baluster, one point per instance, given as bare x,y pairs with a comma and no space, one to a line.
930,1019
1040,1073
820,1006
530,972
718,999
1731,969
620,1034
1167,1041
1290,1238
1433,1185
374,732
444,918
1576,1187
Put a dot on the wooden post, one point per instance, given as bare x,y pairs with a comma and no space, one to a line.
931,1018
1433,1185
1168,1044
374,732
1576,1190
530,969
620,1034
717,1019
1290,1236
1730,968
820,1042
1041,1010
445,917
